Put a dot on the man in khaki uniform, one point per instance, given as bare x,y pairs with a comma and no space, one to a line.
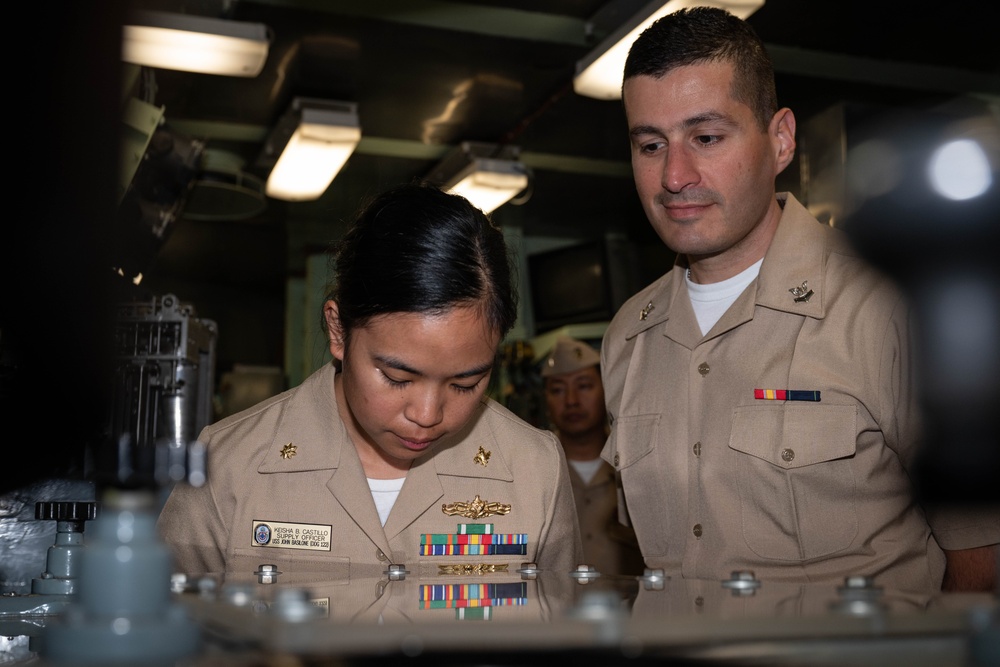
574,398
760,393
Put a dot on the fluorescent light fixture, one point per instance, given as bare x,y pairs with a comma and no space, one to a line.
194,43
600,73
312,142
488,175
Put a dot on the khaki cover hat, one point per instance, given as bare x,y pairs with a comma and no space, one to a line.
569,355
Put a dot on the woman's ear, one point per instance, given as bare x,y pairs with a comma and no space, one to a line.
331,315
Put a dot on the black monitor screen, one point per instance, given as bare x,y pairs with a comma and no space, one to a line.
570,286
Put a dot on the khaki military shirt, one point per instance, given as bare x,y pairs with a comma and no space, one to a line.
286,487
716,480
608,544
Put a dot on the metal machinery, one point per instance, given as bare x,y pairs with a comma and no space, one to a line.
164,385
525,616
103,596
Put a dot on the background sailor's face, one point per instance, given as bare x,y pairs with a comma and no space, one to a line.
575,401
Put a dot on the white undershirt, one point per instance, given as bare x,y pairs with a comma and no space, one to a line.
384,492
711,301
587,469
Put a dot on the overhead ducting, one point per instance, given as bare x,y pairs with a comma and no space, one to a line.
223,191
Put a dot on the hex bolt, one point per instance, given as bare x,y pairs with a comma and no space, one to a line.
267,574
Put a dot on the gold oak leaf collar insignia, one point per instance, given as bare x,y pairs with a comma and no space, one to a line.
482,457
288,451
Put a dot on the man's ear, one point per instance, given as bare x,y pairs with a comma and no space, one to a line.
335,332
783,137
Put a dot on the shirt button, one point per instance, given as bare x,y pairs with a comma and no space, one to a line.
697,530
380,555
616,460
703,368
697,449
787,455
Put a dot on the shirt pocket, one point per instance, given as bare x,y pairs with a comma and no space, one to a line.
290,562
796,480
629,445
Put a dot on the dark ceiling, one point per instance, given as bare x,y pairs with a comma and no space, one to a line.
428,74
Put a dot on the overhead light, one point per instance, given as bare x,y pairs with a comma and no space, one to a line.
194,43
312,142
600,73
488,175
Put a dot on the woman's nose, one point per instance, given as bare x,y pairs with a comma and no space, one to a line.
426,409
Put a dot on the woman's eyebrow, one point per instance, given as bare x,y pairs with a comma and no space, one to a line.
399,365
479,370
393,362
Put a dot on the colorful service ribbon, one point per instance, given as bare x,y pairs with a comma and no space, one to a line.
446,544
473,539
448,596
475,529
785,395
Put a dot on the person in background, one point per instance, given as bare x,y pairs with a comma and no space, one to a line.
392,453
574,400
761,393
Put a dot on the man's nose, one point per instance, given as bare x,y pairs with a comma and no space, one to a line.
679,170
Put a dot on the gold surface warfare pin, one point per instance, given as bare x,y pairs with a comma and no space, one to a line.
477,508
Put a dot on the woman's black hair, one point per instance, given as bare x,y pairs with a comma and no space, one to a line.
416,249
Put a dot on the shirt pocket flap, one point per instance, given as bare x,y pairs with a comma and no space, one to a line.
632,439
793,436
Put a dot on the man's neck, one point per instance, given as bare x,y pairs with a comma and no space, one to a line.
583,447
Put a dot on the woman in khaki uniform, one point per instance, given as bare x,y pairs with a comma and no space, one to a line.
392,454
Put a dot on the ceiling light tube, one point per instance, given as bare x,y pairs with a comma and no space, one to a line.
599,74
195,43
321,136
486,174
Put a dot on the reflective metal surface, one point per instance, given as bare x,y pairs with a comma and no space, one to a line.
539,617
